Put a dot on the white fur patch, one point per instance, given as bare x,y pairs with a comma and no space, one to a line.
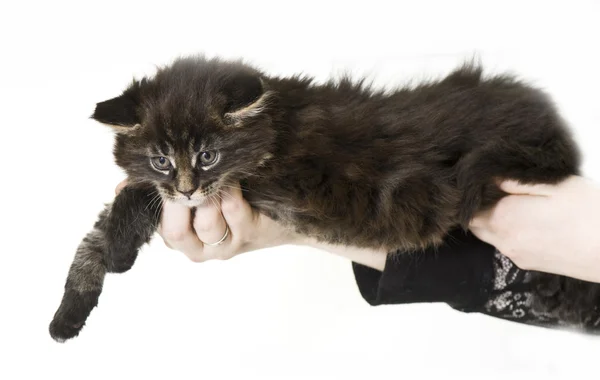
124,129
250,110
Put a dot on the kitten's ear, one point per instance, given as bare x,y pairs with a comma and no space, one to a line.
245,95
120,113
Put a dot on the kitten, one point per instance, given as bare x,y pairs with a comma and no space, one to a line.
338,161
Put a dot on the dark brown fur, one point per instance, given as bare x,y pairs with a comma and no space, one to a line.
339,161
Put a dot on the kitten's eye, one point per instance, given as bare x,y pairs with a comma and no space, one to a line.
208,158
161,163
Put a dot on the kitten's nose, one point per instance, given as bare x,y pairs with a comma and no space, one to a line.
187,193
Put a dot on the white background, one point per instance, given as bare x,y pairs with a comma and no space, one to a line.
285,313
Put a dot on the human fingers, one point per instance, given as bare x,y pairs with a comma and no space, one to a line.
517,188
211,229
480,227
492,224
176,230
238,214
120,186
251,229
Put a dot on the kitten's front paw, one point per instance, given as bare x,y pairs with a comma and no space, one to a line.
70,317
132,220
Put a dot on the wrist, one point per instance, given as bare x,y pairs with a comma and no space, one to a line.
294,238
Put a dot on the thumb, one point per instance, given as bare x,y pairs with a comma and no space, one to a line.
515,187
120,186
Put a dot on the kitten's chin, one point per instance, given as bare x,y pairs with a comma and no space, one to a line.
186,202
190,202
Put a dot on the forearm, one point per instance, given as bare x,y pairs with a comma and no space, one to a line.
371,258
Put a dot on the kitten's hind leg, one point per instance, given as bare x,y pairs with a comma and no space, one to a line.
112,246
549,163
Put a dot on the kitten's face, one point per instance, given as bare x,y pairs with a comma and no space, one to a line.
195,128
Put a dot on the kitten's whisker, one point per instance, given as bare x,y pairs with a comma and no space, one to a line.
157,214
152,202
210,197
157,194
221,195
247,190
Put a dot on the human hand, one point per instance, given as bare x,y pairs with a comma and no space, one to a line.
553,229
248,229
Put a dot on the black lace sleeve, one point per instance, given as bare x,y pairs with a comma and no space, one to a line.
472,276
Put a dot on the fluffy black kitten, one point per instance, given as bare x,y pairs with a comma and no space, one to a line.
338,161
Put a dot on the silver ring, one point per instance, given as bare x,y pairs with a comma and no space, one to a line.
222,239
